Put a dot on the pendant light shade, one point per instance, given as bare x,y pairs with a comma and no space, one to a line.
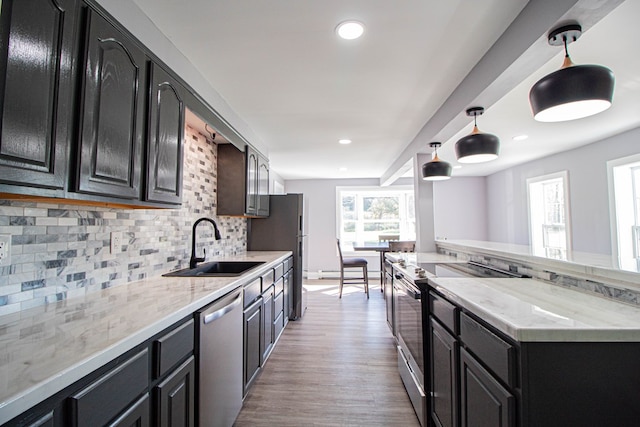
436,169
574,91
477,147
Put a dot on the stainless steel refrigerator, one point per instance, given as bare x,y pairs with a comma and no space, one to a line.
284,230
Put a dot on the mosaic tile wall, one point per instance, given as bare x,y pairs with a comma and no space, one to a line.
603,290
62,251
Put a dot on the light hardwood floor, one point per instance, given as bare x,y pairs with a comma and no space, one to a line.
336,366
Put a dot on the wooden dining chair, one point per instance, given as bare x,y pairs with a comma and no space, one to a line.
353,263
402,246
388,237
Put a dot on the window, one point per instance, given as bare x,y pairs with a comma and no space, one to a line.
366,213
624,186
548,215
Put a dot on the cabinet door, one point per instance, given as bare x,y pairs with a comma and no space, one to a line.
165,142
37,58
136,416
251,205
113,113
483,401
263,187
175,397
444,376
252,337
268,318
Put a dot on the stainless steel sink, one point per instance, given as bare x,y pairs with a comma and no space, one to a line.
217,269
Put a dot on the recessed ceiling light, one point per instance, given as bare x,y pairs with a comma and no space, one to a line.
344,141
350,30
520,137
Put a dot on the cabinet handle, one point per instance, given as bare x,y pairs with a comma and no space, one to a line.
221,312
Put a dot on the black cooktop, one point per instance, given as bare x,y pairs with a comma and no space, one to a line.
469,269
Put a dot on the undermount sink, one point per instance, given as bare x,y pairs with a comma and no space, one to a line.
217,268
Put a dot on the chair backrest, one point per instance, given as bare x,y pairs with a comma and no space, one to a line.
339,250
388,237
402,246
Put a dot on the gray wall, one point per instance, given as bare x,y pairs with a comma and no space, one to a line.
460,208
588,193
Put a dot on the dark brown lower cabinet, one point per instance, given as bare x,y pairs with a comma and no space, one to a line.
136,416
175,397
252,338
483,401
444,376
268,337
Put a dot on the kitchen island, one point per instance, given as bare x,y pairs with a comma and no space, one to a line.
525,352
48,348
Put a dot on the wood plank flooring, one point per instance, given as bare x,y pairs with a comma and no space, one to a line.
337,366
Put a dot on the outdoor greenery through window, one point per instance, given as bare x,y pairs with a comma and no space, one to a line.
368,214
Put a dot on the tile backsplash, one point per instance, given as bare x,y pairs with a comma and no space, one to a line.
59,251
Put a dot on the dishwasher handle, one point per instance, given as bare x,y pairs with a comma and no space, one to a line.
219,312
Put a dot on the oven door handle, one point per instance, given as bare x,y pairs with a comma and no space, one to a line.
407,288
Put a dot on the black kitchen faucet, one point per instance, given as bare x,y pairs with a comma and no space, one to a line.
193,262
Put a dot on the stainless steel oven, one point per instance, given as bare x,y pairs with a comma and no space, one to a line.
409,333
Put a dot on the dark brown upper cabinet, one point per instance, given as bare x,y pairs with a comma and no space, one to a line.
37,56
243,182
262,179
165,138
112,113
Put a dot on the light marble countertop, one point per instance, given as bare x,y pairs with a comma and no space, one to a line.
532,310
421,257
47,348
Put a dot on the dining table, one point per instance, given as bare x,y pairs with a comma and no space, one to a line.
381,248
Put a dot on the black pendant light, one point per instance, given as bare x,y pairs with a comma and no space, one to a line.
477,147
574,91
436,169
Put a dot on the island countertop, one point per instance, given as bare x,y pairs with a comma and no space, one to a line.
532,310
47,348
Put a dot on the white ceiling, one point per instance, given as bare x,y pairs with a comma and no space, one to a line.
282,69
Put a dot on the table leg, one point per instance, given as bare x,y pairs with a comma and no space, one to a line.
381,271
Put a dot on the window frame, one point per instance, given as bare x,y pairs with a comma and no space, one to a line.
563,176
627,163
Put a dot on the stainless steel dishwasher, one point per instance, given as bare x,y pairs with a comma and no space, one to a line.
220,361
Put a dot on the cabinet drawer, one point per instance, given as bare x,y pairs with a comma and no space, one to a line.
288,264
278,325
497,354
279,286
172,348
278,271
252,291
267,280
278,303
444,311
112,393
